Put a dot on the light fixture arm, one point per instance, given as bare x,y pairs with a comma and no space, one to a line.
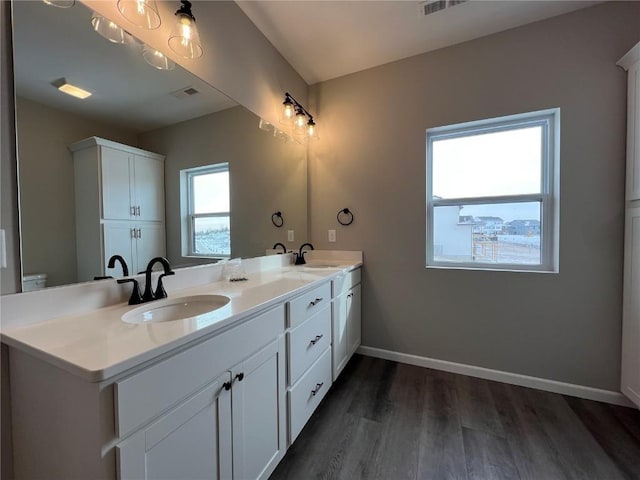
298,105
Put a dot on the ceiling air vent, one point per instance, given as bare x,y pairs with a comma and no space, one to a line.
185,92
434,6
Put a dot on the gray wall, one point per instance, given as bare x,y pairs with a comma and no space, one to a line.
47,203
266,175
371,158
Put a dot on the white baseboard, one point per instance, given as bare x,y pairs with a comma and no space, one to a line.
581,391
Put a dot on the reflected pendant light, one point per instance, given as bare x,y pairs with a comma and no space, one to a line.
157,59
143,13
60,3
184,38
108,29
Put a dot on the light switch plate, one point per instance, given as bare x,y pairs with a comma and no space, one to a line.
290,236
332,235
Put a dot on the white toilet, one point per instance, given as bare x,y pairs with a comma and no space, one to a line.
34,281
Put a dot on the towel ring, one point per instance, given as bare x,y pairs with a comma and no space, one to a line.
277,219
345,217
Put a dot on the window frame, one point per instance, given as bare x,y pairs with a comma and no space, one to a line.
549,196
191,217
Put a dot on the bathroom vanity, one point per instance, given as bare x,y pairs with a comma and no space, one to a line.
219,395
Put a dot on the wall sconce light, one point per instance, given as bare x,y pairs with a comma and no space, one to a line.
184,38
60,3
294,112
108,29
157,59
143,13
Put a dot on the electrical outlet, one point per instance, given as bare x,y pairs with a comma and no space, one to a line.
332,235
290,236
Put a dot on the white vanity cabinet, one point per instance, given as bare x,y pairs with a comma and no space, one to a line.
116,183
309,355
347,321
630,378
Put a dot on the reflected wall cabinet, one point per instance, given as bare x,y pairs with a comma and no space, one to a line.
630,382
119,197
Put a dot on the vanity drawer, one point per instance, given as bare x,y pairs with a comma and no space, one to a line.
307,393
343,283
307,304
306,343
146,394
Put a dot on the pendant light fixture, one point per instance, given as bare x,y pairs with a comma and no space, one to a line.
294,113
108,29
142,13
157,59
184,38
60,3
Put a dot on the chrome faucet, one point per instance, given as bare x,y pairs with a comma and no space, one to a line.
160,292
300,256
284,249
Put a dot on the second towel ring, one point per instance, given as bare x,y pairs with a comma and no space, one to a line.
277,219
345,216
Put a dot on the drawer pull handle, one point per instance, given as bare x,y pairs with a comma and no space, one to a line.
317,389
227,386
239,377
317,339
315,302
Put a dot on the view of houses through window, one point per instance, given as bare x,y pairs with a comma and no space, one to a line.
490,193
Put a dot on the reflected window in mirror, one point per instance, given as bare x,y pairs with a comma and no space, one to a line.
207,191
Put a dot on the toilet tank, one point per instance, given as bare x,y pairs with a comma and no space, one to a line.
34,281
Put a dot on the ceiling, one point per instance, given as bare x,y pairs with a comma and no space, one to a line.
51,43
324,39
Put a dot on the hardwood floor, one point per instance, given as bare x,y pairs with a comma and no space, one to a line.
391,421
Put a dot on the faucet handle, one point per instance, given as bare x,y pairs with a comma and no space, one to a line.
160,291
136,296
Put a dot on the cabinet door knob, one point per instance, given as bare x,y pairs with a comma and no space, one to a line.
317,339
315,302
226,386
317,389
240,377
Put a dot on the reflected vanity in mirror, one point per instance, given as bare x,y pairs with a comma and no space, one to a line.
168,112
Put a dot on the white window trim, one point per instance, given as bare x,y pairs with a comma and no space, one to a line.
191,217
549,195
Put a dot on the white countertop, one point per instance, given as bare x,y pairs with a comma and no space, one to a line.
98,345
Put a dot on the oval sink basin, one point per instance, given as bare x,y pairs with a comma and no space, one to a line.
171,309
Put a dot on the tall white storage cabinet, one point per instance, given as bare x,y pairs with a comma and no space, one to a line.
630,382
119,197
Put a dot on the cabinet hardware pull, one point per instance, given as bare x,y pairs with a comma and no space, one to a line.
239,377
317,339
133,232
133,210
227,386
139,233
315,302
138,210
317,389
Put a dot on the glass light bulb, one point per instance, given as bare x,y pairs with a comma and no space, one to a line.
288,110
300,119
184,39
143,13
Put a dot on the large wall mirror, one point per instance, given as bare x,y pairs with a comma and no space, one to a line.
169,112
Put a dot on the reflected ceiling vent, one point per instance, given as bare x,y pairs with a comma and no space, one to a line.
185,92
433,6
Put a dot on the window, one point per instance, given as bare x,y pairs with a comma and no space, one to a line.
492,193
208,212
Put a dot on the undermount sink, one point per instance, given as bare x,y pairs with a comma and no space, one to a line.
171,309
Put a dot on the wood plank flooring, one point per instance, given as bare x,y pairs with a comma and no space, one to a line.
384,420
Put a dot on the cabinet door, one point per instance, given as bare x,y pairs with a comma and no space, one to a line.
191,442
340,344
354,319
116,169
631,308
118,240
150,243
258,405
149,188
